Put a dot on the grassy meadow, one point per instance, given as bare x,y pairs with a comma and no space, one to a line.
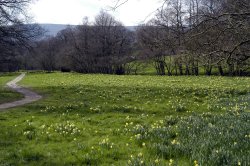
128,120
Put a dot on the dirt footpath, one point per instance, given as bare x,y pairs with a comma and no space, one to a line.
29,96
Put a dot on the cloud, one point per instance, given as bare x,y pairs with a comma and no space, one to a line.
73,11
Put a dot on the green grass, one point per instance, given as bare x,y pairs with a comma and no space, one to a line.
6,94
148,68
129,120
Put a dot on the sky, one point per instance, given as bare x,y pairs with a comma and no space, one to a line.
72,12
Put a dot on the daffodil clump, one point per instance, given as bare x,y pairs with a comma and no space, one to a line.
206,139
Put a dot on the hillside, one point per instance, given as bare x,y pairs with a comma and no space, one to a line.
53,29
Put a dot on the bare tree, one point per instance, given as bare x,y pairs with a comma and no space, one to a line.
222,35
45,53
152,39
104,46
202,33
13,32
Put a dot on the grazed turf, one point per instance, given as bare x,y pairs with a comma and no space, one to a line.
129,120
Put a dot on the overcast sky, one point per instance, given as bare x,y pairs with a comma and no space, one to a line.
73,11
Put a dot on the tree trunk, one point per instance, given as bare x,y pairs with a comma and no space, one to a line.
180,69
220,70
187,72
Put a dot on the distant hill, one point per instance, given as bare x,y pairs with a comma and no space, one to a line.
131,28
53,29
